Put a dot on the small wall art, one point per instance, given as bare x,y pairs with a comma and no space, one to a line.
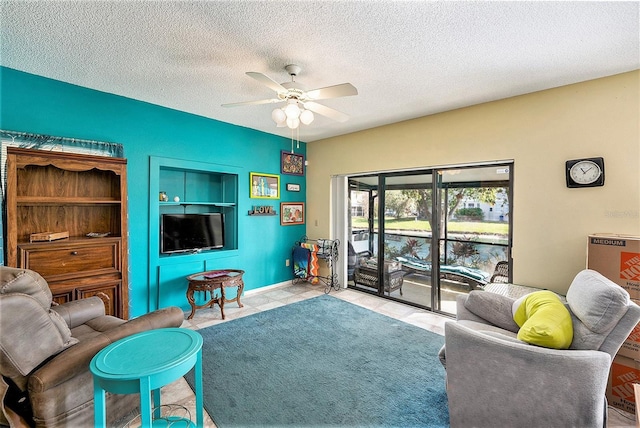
292,187
291,163
264,186
262,210
291,213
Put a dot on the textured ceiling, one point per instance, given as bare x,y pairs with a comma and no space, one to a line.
407,59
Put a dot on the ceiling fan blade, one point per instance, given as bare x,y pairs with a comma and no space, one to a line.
336,91
267,81
326,111
253,103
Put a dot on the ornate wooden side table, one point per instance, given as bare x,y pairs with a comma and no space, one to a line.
209,282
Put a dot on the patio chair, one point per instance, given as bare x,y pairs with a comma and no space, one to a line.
501,272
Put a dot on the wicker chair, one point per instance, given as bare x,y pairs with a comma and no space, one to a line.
501,272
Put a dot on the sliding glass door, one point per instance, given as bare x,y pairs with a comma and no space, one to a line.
474,233
408,246
362,233
423,237
398,265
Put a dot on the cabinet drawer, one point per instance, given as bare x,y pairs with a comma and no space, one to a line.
61,298
57,261
108,292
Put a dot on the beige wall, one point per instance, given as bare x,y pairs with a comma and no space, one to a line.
539,131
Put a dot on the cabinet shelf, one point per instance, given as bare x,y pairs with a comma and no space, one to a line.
55,201
70,240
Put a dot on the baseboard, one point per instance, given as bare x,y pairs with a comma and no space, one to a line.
266,288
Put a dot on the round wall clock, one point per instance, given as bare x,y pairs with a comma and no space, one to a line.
588,172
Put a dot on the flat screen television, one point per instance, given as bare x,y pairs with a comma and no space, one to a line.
181,233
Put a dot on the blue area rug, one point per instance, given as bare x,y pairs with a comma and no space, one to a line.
322,362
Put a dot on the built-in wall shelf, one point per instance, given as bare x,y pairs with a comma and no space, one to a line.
201,188
186,203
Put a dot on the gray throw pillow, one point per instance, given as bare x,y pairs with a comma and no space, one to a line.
597,301
492,307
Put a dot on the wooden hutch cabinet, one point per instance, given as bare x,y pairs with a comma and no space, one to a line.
83,195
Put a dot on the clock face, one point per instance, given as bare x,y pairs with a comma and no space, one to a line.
585,172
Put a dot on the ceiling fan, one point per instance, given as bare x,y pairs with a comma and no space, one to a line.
300,102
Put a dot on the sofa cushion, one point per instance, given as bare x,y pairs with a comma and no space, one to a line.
26,342
489,329
492,307
14,280
543,320
597,301
63,329
486,328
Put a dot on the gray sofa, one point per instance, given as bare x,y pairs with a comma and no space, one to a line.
495,380
45,352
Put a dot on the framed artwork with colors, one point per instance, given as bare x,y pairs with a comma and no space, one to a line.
291,213
291,163
264,186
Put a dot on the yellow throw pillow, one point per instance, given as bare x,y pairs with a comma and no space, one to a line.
544,320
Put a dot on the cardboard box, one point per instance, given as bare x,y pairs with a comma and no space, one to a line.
631,347
625,372
618,258
636,394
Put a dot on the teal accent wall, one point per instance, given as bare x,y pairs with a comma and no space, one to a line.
34,104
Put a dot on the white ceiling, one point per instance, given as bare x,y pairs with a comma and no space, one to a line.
406,58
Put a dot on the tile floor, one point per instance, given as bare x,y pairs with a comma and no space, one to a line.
256,301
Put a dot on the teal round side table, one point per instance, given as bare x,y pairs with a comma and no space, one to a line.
144,362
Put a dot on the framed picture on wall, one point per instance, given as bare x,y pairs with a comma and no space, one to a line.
291,163
264,186
291,213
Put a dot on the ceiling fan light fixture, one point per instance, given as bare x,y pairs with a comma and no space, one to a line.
293,123
278,115
301,105
306,117
292,110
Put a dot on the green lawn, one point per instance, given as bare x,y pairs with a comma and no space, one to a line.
480,227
